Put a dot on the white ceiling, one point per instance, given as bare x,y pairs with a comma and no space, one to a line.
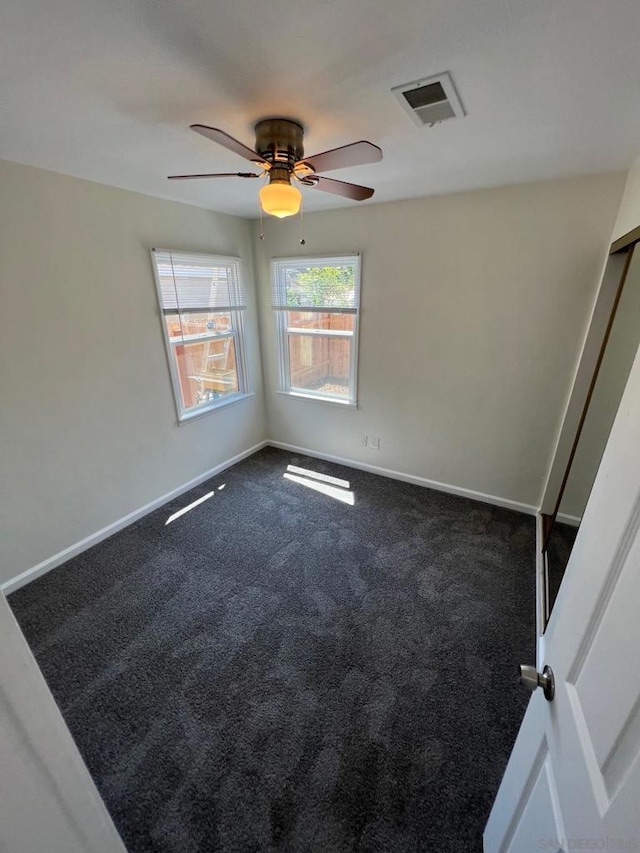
107,90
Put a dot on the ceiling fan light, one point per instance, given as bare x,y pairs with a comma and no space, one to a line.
279,198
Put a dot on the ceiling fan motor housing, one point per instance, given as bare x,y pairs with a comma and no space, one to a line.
279,141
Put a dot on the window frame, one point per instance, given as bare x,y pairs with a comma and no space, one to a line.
236,333
283,331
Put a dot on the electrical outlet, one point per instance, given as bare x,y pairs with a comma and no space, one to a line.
363,439
374,442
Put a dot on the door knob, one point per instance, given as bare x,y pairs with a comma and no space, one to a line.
532,679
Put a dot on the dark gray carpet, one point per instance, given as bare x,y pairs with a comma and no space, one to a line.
280,671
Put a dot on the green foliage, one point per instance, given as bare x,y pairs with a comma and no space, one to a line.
320,287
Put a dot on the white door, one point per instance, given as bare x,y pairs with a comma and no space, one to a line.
573,779
48,802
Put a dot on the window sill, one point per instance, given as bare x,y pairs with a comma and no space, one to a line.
314,398
188,417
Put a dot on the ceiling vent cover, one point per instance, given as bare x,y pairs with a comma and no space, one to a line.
431,100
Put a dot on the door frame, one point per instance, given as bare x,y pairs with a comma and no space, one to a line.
573,776
614,274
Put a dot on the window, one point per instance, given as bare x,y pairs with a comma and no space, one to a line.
202,302
316,303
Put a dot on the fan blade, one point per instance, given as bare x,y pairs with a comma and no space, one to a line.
330,185
356,154
215,175
222,138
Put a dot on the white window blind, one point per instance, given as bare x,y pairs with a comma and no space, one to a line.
316,284
192,282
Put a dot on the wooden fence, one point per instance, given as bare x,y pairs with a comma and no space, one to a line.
210,367
315,360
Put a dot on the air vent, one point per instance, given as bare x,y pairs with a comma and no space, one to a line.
431,100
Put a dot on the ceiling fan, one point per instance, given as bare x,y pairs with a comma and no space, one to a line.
279,154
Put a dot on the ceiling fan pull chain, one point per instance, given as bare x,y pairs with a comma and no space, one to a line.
302,240
260,212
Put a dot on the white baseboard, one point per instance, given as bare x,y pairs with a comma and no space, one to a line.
573,520
73,550
52,562
505,503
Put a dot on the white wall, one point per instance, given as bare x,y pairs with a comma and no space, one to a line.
473,309
628,216
473,306
597,425
619,355
87,416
